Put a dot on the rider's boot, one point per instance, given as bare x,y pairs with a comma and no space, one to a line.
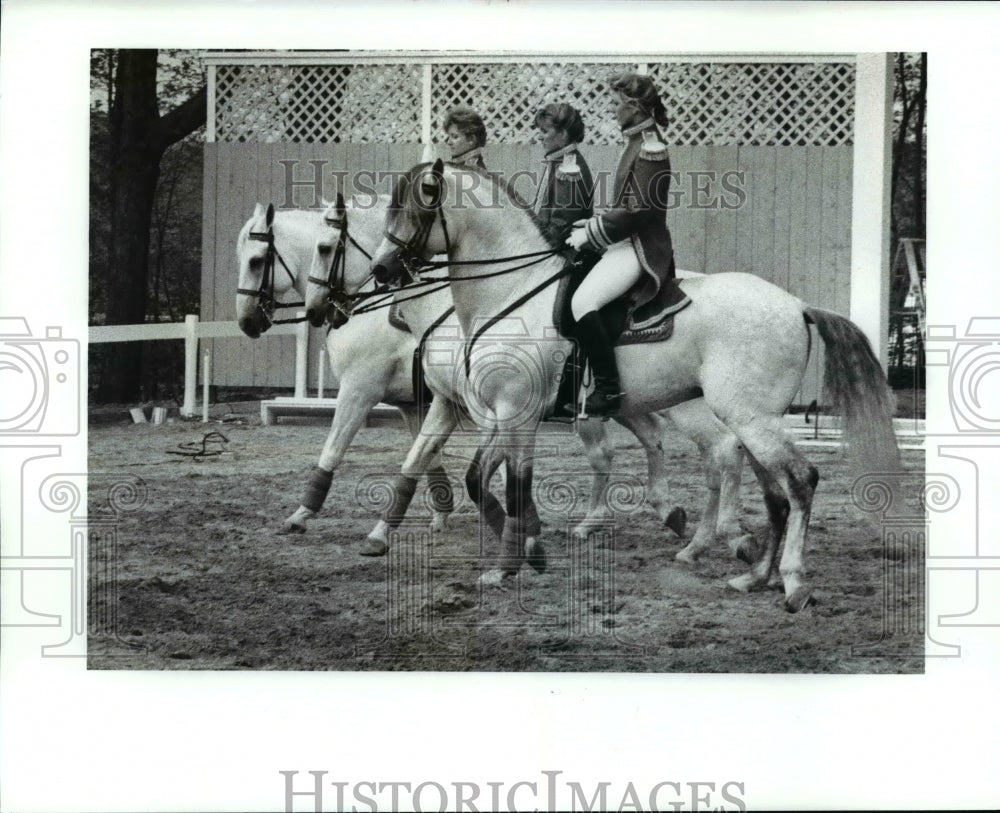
606,398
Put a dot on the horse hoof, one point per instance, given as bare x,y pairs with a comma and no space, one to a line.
677,520
799,600
685,557
291,528
492,578
535,555
373,547
746,550
745,583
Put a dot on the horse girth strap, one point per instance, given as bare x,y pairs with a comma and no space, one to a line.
509,309
421,392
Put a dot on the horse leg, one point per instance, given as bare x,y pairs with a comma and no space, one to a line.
600,453
477,482
438,484
353,405
426,448
789,482
777,516
519,540
705,534
484,464
649,429
727,455
722,456
521,530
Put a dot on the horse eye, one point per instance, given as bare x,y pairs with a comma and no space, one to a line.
256,262
324,248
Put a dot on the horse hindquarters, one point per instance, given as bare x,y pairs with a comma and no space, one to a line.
754,352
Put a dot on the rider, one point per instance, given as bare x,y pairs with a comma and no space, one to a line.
566,190
633,234
465,135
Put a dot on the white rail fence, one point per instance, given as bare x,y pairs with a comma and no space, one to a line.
910,431
191,330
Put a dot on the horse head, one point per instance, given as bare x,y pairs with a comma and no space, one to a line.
415,228
255,260
340,262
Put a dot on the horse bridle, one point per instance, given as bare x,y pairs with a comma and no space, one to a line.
336,296
267,303
411,251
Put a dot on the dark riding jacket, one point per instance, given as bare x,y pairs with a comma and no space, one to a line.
564,195
639,210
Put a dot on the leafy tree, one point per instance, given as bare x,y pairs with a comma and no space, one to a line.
909,148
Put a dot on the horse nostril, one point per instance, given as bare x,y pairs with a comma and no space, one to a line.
314,317
249,327
381,273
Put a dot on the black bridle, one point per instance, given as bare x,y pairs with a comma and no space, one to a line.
411,252
336,296
267,303
412,259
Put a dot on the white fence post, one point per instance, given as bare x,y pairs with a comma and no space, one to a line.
190,364
301,356
870,205
206,372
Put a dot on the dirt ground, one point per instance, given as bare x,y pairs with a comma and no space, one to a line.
194,574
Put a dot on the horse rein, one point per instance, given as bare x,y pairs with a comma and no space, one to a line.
267,303
412,249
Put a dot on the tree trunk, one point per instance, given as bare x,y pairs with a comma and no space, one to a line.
139,136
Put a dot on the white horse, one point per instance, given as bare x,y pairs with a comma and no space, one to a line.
742,344
369,357
338,272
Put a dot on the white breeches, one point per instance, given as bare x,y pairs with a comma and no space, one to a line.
616,272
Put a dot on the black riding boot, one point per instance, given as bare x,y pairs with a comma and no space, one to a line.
569,390
606,398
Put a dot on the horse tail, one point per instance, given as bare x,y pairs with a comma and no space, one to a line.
857,390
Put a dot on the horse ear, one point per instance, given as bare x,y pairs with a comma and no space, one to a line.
438,167
258,211
341,207
270,214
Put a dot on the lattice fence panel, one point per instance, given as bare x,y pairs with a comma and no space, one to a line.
507,95
360,104
708,103
773,104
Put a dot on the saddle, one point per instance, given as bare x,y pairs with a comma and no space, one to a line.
624,321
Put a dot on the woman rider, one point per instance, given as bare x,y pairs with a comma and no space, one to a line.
566,189
465,135
633,234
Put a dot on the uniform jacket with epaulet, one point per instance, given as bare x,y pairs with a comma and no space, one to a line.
639,212
563,197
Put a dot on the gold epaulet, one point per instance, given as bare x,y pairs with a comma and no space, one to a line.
652,148
568,169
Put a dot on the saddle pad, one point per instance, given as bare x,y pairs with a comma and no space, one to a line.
653,322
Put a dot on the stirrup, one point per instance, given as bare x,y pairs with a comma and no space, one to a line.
563,413
604,409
